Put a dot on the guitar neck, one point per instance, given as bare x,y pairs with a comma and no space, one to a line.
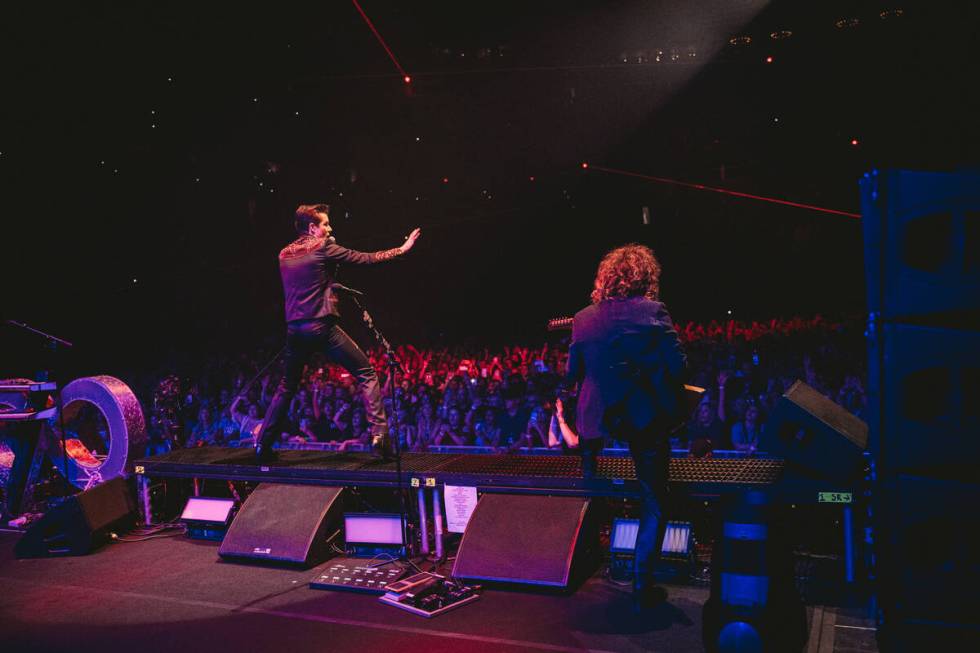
560,324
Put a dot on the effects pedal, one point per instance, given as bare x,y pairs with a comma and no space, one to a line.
413,584
428,595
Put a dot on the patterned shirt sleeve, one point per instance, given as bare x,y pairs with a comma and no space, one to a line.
387,254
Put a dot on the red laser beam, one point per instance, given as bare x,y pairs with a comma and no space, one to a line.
723,191
377,35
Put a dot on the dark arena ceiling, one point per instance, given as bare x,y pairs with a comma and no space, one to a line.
152,154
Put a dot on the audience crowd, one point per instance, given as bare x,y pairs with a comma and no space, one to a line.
511,398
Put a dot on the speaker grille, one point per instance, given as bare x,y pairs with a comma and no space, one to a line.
106,504
522,539
284,523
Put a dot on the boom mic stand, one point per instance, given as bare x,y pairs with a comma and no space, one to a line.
394,365
53,342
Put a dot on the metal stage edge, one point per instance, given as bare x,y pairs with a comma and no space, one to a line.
545,475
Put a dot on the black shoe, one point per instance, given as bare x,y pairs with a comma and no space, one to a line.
265,454
381,447
647,597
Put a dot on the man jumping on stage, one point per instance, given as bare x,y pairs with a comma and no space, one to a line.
311,322
626,357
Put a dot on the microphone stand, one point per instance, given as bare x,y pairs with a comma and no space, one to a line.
394,365
53,342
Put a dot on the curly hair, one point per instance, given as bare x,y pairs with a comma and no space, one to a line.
628,271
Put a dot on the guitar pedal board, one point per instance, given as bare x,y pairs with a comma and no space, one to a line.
428,595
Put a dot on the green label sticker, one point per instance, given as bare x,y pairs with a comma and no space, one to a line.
834,497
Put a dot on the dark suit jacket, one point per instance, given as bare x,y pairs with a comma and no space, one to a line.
305,266
626,356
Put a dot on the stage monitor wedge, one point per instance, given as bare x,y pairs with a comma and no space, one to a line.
81,524
812,432
528,540
286,524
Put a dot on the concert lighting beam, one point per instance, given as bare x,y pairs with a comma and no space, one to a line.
391,55
723,191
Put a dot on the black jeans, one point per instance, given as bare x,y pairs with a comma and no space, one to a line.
651,459
303,339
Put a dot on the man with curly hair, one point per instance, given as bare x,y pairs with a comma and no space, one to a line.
627,361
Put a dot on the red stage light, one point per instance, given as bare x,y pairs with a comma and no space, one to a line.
445,180
585,165
531,178
675,182
377,35
769,59
854,141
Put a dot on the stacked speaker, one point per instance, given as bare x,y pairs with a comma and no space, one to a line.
922,258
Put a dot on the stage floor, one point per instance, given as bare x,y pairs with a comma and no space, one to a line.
174,594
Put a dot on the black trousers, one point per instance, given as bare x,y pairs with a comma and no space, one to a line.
651,458
303,339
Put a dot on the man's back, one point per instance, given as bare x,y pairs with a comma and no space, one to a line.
627,357
305,266
305,282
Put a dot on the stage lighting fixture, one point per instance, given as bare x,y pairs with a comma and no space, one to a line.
675,548
676,543
207,518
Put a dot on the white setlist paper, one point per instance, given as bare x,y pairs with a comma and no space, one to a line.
460,501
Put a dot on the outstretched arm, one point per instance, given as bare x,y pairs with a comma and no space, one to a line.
341,254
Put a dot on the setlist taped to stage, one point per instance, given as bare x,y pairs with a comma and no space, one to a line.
460,501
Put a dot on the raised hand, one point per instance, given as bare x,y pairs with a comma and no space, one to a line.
410,240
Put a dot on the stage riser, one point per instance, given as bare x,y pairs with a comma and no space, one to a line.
490,473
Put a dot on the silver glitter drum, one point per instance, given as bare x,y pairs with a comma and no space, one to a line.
105,430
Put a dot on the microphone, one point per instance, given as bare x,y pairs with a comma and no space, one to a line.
340,286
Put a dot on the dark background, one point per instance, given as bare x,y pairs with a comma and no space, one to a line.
152,155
